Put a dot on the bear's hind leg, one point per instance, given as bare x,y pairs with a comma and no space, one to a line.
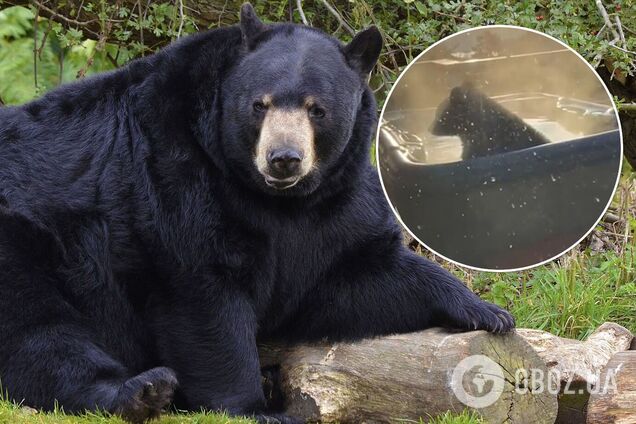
60,365
49,353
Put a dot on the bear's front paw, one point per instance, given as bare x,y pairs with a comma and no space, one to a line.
146,395
482,315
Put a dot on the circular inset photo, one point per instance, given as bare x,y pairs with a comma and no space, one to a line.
499,148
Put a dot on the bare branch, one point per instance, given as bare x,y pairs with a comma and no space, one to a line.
58,17
61,67
613,44
101,43
44,38
600,32
627,107
299,6
606,18
181,18
142,17
35,48
339,18
71,14
621,34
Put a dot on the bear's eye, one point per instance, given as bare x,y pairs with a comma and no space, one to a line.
316,112
259,106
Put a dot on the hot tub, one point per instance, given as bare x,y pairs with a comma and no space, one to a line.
506,210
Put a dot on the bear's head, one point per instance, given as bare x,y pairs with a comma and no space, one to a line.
291,101
456,115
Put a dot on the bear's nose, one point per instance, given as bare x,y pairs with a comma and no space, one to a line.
284,162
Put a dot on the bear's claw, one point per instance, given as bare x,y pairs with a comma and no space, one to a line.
482,315
146,395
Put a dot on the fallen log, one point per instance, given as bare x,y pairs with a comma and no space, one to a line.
412,376
615,399
575,365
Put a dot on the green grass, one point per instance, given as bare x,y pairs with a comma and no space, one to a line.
465,417
568,300
13,414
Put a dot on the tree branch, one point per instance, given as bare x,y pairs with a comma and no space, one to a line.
204,13
338,17
627,107
606,19
299,6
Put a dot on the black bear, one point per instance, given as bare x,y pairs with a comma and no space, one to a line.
484,126
156,222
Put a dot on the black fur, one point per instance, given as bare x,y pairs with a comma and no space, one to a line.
484,126
139,245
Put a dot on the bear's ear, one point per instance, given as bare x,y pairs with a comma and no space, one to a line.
363,51
458,95
251,26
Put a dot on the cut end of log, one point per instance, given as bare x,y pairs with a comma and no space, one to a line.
575,361
523,398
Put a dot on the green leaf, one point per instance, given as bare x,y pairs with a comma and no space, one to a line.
421,8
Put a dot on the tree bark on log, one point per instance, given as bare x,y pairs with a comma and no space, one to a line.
410,376
616,406
407,377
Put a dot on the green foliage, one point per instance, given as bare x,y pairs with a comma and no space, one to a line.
15,22
408,26
161,20
24,74
411,26
62,53
570,299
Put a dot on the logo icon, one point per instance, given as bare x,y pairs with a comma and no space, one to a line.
477,381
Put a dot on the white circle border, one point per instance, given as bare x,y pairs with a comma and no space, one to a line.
377,149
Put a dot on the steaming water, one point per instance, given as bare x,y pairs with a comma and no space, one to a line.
559,119
445,149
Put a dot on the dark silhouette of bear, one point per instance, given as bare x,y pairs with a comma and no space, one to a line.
156,222
484,126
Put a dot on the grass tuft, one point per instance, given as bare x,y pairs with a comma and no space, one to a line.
11,413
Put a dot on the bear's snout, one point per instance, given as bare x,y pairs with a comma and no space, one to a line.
285,149
284,162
